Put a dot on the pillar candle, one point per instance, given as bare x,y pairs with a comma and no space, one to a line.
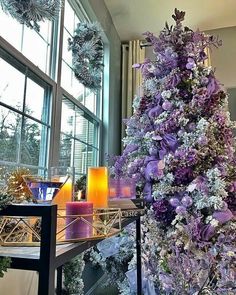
64,195
127,188
79,229
97,186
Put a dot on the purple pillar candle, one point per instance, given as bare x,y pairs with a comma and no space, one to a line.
79,228
127,188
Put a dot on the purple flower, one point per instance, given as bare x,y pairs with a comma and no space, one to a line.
147,191
163,211
207,232
191,64
155,111
152,170
183,176
213,86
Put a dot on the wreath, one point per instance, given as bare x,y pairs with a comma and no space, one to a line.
87,54
30,12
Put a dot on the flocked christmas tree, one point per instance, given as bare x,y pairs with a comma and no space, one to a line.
180,149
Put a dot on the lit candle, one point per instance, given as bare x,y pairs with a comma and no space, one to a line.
65,193
97,186
126,192
79,228
112,192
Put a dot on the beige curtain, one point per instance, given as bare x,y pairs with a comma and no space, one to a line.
132,53
207,62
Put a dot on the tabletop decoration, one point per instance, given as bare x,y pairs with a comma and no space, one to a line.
122,187
97,186
76,227
66,176
30,12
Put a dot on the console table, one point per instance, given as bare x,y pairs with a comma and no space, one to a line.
49,256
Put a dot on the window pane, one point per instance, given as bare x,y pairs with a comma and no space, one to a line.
67,117
67,55
91,134
35,100
12,83
77,89
33,134
10,124
90,100
66,144
81,126
69,18
66,77
35,48
11,30
92,157
80,157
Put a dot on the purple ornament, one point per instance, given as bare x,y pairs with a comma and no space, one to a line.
167,106
174,202
223,216
191,126
180,132
187,201
181,210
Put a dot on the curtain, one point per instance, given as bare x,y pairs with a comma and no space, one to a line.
207,62
132,53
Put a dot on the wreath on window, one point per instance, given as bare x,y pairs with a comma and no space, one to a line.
30,12
87,54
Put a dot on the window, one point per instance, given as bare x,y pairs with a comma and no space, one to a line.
35,46
69,82
43,121
78,134
24,115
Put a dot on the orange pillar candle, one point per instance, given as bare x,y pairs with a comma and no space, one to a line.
65,194
97,186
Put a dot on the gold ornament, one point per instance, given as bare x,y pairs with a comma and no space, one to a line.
16,186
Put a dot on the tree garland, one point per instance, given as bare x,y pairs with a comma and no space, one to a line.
30,12
87,54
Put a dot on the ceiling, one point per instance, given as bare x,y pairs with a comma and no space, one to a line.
133,17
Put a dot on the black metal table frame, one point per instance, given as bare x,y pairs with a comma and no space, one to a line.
50,259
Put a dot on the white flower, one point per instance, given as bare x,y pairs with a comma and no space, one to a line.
166,94
214,222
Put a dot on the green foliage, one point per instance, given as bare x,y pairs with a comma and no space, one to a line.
72,276
4,264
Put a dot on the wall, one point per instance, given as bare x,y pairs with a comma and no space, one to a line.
96,9
224,58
